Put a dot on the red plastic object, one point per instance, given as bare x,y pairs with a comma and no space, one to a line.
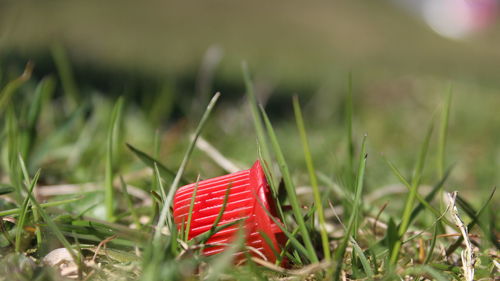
249,194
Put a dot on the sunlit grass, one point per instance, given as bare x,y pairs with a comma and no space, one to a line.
69,181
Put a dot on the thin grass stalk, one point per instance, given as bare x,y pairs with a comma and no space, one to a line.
272,183
66,75
202,238
36,217
215,224
288,234
364,261
29,132
8,91
290,188
16,211
109,198
12,132
156,152
410,201
358,207
348,126
443,129
191,208
149,161
38,232
312,176
157,182
223,261
22,215
432,246
419,197
442,138
257,120
165,211
353,219
50,223
130,204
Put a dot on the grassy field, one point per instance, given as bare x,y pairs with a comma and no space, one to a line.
367,123
382,171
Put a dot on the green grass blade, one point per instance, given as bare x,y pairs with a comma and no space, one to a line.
288,234
348,126
443,129
364,261
432,246
335,188
66,75
191,208
12,145
6,189
269,243
130,204
410,201
44,90
224,260
290,189
165,211
202,238
43,205
274,186
156,175
52,226
419,167
428,198
158,183
359,186
23,213
221,211
436,222
38,232
353,219
215,224
149,161
36,217
29,133
12,86
109,197
312,176
397,173
424,202
257,120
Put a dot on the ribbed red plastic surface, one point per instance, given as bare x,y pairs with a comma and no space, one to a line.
249,194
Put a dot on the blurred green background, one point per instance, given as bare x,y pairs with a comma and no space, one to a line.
168,57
